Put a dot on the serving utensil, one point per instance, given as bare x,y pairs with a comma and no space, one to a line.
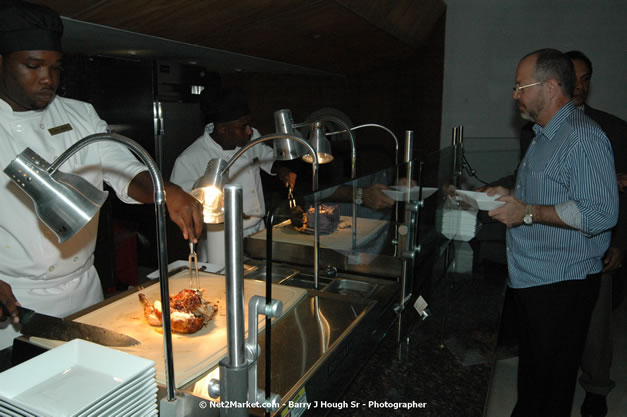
290,198
192,260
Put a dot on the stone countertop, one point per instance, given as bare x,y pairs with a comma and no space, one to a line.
445,361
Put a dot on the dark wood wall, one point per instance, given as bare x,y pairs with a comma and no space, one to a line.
401,96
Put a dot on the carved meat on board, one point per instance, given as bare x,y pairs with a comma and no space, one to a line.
189,311
303,221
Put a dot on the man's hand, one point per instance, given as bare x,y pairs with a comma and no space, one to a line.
403,181
613,259
185,211
511,213
498,190
375,199
9,303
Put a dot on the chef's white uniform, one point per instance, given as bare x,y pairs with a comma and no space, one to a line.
192,163
52,278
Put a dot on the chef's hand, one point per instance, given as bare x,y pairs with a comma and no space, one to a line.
375,199
9,303
184,209
613,259
287,177
511,214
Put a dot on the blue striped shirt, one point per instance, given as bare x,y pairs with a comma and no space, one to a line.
569,162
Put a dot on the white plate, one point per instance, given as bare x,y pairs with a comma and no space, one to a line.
120,395
15,409
465,237
10,413
151,412
480,200
68,378
400,192
128,406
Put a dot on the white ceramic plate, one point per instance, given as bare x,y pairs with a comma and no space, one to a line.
120,395
480,200
12,408
8,412
130,405
68,378
400,192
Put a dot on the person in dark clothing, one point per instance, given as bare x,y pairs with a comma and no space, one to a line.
596,360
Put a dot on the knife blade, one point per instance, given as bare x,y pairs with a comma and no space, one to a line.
55,328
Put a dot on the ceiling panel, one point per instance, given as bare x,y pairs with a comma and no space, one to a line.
338,36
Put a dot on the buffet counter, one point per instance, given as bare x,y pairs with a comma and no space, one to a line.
318,343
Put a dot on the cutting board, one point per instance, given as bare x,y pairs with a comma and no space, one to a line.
193,354
342,238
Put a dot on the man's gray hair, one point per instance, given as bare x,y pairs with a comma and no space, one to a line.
553,64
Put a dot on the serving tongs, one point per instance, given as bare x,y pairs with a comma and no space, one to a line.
194,280
290,198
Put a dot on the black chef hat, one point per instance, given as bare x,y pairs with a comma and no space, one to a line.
28,27
223,104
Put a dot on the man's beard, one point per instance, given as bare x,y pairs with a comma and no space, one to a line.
531,113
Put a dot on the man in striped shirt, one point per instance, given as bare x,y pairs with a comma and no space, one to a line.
559,217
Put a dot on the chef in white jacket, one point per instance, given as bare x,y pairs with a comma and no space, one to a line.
229,128
35,270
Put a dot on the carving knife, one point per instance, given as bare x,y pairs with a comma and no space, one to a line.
55,328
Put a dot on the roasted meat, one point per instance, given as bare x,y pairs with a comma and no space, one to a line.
304,220
189,311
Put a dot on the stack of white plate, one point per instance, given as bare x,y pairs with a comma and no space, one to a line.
80,378
457,224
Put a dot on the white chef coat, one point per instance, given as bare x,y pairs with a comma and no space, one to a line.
48,277
192,163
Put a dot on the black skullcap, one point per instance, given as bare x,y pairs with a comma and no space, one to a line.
223,104
28,27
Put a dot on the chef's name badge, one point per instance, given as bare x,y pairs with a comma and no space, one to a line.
60,129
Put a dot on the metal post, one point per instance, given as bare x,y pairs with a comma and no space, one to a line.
159,200
234,369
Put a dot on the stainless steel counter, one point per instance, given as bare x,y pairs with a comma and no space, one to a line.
320,344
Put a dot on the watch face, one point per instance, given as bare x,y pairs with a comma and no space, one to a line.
527,219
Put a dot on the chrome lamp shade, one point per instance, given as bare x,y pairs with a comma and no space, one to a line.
286,149
320,143
208,190
63,202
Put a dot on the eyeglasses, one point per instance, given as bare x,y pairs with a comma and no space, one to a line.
519,88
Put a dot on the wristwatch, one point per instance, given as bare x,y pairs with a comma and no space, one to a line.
528,219
359,196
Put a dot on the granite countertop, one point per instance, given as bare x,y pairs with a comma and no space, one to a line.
445,361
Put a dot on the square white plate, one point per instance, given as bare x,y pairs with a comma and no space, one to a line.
15,409
480,200
119,395
400,192
68,378
8,412
140,400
